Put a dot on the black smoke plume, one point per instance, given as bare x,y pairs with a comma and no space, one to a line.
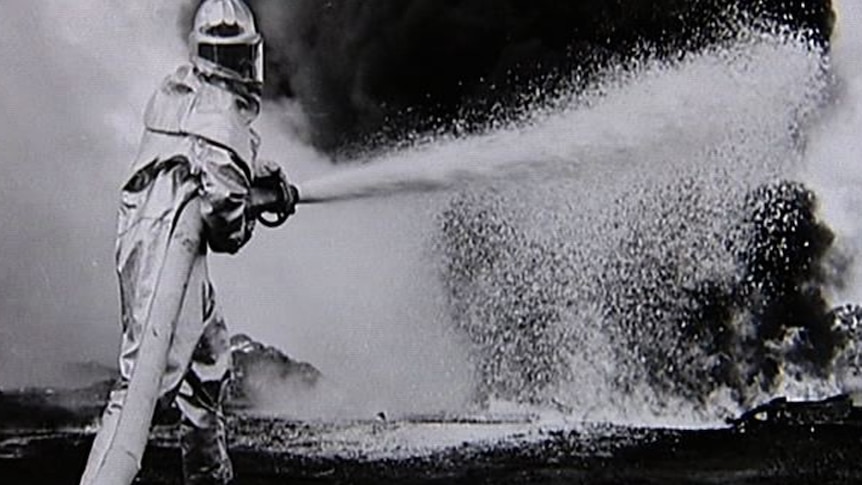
373,70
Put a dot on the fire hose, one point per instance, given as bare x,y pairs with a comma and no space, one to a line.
128,433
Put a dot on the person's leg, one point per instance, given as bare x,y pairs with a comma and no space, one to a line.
200,400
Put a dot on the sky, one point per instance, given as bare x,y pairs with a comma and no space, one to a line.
72,90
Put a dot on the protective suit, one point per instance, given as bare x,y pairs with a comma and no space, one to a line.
198,142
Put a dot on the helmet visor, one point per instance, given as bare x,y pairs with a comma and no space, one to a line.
246,60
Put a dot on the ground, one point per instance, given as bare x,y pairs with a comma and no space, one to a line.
782,443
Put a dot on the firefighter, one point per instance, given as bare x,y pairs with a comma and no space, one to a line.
198,144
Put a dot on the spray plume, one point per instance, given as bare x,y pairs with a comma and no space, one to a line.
644,252
375,71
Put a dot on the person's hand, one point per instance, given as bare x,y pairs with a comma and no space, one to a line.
272,193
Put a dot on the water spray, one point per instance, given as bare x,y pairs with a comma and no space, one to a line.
421,171
376,181
338,188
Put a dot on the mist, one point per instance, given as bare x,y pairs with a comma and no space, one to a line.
72,89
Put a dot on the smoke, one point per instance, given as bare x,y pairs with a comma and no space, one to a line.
831,166
379,70
73,84
831,169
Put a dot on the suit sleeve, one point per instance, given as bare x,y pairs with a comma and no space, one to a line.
224,193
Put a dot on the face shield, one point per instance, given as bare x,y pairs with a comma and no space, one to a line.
244,60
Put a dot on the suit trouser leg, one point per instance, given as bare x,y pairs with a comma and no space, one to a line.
201,398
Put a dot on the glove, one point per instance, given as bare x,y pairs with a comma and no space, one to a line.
272,193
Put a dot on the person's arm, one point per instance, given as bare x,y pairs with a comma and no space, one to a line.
225,193
231,202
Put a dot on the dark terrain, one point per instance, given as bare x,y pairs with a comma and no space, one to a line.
786,443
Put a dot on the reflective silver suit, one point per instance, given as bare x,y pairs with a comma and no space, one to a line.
198,143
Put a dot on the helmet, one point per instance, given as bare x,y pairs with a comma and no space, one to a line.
226,43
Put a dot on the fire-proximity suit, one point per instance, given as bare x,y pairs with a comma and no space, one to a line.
198,143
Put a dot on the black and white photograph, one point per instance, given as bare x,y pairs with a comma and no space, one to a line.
266,242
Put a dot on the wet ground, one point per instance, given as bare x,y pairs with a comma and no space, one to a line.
780,445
